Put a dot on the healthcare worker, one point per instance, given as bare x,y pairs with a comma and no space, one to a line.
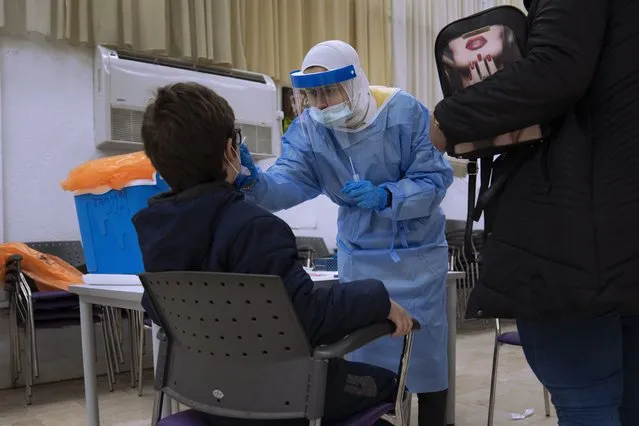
368,149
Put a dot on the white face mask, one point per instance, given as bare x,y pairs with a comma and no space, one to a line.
335,115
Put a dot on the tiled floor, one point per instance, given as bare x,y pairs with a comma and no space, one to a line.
62,404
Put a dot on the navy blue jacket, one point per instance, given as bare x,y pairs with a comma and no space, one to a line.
213,228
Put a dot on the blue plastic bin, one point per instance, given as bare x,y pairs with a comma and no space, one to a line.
108,237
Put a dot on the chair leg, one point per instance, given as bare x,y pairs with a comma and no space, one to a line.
407,409
115,313
14,340
132,345
12,360
546,402
493,384
109,365
158,400
140,318
18,351
316,422
35,368
110,333
28,377
117,331
95,341
107,355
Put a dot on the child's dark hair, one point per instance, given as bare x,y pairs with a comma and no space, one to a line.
185,130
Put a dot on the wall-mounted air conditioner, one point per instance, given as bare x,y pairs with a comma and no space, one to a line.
124,83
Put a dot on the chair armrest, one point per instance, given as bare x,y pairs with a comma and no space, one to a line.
357,339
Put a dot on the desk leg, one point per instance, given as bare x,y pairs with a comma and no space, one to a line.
88,362
167,408
451,311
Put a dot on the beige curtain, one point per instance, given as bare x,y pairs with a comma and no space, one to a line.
278,33
267,36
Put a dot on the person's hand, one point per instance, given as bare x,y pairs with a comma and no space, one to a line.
402,320
366,195
247,160
437,137
483,68
243,179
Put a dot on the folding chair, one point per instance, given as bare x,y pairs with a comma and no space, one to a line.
31,309
505,338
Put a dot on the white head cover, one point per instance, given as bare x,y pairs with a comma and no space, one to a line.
335,54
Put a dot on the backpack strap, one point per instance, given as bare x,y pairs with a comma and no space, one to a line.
477,204
471,170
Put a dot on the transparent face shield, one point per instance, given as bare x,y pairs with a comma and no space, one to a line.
323,103
326,97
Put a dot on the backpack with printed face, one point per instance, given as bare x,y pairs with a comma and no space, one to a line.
468,51
472,49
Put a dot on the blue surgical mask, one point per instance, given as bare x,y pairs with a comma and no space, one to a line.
335,115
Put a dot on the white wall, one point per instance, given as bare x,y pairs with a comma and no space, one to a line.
454,205
47,129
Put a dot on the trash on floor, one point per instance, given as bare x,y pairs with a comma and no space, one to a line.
529,412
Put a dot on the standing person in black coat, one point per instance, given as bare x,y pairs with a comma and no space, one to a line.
562,248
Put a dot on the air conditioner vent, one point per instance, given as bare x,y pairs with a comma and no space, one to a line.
126,125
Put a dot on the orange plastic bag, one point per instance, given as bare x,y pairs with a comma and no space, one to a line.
49,272
110,172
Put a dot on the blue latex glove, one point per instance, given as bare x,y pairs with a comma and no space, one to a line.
366,195
242,180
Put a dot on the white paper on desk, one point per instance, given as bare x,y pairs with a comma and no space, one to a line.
111,279
323,276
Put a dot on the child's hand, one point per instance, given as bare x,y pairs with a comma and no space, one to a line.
402,320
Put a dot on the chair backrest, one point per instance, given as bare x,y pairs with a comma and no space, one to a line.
234,346
69,251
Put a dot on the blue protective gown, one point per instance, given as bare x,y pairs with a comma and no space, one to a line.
403,245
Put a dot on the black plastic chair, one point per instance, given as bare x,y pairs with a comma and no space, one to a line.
228,341
31,309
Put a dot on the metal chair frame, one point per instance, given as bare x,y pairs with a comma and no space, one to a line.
22,315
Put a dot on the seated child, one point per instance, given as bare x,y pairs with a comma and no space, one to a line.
205,224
